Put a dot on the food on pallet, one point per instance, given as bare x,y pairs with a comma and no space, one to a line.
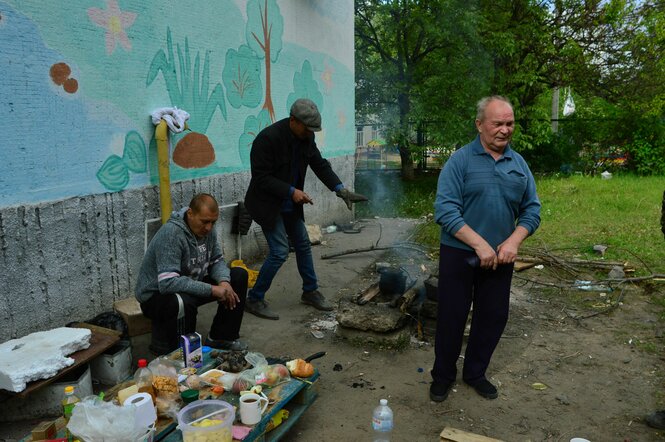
300,368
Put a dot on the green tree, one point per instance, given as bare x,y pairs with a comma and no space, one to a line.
396,43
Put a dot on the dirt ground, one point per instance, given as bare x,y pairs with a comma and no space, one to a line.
600,381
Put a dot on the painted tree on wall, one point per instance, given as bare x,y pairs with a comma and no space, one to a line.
253,125
304,86
265,27
242,77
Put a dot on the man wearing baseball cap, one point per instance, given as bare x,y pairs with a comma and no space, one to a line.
279,159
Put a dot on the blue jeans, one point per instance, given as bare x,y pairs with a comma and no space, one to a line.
287,226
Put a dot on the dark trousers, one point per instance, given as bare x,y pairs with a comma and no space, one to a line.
162,309
460,285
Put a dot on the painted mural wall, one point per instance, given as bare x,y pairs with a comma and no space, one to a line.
79,81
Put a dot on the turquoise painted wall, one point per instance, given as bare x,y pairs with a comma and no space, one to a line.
80,79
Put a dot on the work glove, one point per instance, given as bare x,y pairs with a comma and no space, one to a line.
350,197
242,221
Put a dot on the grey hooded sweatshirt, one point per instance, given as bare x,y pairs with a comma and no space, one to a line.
177,262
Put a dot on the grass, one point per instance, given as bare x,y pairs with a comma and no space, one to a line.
622,213
578,212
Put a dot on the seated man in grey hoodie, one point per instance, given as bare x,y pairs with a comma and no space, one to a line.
183,269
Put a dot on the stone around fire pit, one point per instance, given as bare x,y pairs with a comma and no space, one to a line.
369,317
393,339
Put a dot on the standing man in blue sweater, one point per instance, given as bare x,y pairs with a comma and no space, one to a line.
183,269
486,205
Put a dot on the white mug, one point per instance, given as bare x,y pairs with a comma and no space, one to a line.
251,407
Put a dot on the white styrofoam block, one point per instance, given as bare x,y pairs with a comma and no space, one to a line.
46,402
39,355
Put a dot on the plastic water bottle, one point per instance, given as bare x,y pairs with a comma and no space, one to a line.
68,403
382,422
143,379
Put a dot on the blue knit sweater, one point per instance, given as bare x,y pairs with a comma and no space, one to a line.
491,197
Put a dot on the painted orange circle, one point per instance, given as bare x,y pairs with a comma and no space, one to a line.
71,85
60,73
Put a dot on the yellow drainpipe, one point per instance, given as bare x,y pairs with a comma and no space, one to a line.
163,162
162,138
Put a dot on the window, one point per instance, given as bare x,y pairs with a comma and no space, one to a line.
360,139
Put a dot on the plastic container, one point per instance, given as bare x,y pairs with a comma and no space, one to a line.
382,422
143,379
68,404
219,377
206,420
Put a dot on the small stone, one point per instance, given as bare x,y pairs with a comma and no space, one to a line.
563,399
600,249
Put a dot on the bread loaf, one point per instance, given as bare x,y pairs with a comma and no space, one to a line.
300,368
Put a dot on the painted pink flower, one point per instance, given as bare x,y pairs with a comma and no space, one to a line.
115,22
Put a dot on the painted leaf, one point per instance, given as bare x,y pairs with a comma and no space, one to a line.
242,78
134,155
305,86
253,125
113,174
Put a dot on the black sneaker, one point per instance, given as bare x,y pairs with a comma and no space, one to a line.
484,388
260,308
656,420
222,344
317,300
438,391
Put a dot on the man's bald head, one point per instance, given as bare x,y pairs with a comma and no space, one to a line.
203,200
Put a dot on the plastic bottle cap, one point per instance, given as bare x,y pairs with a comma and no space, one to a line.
189,396
143,363
69,390
383,401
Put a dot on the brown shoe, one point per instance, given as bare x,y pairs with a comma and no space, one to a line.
316,300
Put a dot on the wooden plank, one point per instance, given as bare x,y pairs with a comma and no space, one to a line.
368,294
99,342
92,327
450,434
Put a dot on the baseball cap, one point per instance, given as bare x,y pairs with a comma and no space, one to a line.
305,110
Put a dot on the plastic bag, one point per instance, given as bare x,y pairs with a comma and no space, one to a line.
569,105
94,419
165,384
260,374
